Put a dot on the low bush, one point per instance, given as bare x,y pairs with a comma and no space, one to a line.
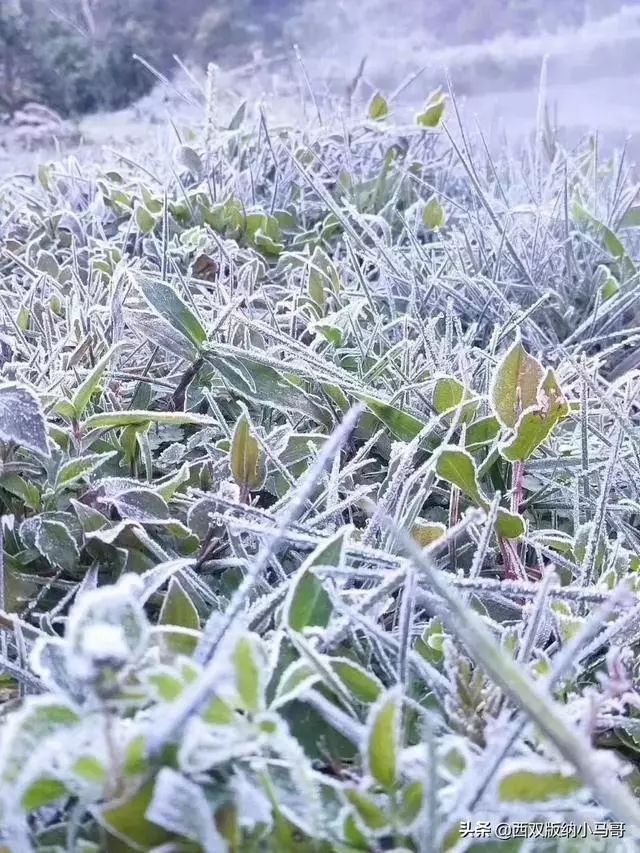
319,496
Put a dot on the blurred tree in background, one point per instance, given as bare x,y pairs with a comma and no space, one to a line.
78,55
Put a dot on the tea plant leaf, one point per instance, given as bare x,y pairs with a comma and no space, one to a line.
22,420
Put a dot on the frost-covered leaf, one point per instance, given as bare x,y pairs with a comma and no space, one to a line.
181,807
515,384
382,744
433,112
250,668
86,389
378,107
189,159
448,393
427,532
308,603
433,215
402,425
28,731
171,307
298,677
178,609
56,544
364,686
536,423
22,419
457,467
372,816
532,783
75,469
247,457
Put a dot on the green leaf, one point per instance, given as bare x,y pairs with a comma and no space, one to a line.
510,525
433,112
167,488
308,604
448,394
482,432
608,284
378,107
411,802
527,786
29,493
84,392
382,740
181,807
144,220
89,769
22,419
609,240
56,544
401,424
532,430
179,610
249,680
457,467
127,821
426,533
264,385
537,422
364,686
74,469
110,420
371,815
44,792
515,384
297,677
164,300
433,215
28,731
247,457
160,331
